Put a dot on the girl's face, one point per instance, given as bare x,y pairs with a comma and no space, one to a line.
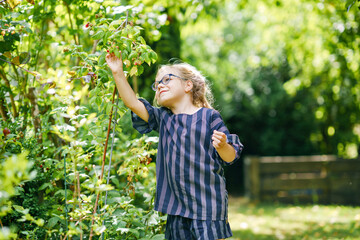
171,92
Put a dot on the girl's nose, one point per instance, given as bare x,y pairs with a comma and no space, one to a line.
161,85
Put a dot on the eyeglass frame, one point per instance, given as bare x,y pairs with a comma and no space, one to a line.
164,81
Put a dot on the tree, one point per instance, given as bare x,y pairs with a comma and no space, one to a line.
284,74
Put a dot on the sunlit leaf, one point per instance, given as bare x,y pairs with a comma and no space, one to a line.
52,222
13,3
24,57
133,71
16,60
158,237
98,35
7,54
71,73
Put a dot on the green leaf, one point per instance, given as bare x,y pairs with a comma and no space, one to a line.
133,71
21,209
147,58
140,70
153,56
52,222
141,39
116,22
106,36
102,58
108,107
45,185
98,35
103,73
114,35
40,222
158,237
135,232
98,101
132,56
117,53
24,57
18,208
100,229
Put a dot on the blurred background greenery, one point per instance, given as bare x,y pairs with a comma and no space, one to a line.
285,76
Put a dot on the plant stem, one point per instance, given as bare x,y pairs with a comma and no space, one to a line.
35,112
32,73
7,83
41,39
103,164
71,24
78,188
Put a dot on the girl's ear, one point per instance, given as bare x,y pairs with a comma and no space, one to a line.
188,86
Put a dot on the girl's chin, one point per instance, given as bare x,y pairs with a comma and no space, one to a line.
164,103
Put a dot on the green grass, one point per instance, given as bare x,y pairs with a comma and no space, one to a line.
281,221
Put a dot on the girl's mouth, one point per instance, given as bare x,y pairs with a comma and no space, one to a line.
162,92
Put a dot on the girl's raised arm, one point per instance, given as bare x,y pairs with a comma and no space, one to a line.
126,93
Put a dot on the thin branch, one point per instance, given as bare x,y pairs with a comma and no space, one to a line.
32,73
103,163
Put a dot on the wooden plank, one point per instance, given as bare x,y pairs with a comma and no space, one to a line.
312,158
345,184
286,198
252,180
344,166
322,178
291,167
255,179
291,184
344,200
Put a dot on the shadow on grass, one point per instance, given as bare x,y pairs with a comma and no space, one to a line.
330,232
280,221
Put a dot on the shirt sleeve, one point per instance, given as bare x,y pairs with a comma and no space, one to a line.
153,123
218,124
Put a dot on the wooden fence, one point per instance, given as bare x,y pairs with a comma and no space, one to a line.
303,179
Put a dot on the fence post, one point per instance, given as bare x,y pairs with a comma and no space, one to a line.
252,178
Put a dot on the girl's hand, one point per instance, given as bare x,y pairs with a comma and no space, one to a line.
219,139
114,63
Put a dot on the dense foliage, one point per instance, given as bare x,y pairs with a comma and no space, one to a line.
285,76
285,73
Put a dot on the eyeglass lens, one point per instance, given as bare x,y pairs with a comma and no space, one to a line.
165,80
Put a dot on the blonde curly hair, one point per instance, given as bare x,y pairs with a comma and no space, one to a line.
201,92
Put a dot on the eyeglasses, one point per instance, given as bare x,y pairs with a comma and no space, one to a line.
165,80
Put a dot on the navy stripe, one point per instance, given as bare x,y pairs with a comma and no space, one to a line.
189,171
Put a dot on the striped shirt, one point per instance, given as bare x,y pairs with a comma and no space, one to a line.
189,173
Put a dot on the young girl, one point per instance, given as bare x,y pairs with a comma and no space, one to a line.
193,145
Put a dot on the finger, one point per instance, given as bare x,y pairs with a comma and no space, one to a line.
110,55
219,133
215,143
215,137
220,136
